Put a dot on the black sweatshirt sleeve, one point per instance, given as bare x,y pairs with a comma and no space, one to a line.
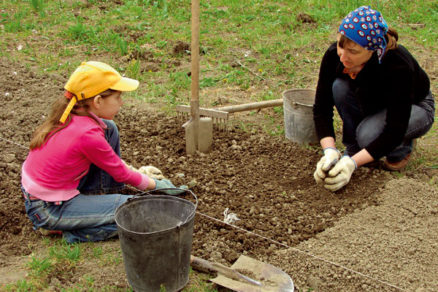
324,103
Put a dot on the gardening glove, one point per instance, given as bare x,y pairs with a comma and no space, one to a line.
330,158
167,185
151,171
340,174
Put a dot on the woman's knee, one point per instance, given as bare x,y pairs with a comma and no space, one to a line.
364,138
370,128
340,89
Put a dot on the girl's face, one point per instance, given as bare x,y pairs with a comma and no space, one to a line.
352,54
110,105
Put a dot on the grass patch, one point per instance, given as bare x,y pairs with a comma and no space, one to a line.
268,37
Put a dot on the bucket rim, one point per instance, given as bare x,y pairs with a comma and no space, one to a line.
148,195
298,103
297,89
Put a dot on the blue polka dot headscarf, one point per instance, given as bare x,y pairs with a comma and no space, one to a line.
366,27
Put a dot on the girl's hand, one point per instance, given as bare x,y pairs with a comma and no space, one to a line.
151,171
167,187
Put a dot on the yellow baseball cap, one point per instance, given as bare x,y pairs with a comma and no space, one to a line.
92,78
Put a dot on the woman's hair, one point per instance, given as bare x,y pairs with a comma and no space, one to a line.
52,124
391,39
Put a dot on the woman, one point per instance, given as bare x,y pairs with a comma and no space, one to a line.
380,92
75,155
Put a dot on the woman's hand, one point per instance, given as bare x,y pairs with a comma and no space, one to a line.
340,174
330,158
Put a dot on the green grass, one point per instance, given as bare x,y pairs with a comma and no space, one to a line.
281,49
59,262
62,260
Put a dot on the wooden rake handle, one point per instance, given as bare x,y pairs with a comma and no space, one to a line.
194,102
251,106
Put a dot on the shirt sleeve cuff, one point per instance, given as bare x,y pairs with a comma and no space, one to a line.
144,182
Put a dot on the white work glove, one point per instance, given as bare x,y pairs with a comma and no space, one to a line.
151,171
330,158
129,166
340,174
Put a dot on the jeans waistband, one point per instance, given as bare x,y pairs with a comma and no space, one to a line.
31,198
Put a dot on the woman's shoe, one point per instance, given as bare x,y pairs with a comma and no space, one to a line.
396,166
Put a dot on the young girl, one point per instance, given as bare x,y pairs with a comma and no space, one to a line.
76,153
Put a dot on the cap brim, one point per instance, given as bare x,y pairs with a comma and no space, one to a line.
125,84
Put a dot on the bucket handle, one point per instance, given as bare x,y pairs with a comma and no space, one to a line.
153,192
302,104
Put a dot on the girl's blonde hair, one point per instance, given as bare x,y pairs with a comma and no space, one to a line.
52,125
391,39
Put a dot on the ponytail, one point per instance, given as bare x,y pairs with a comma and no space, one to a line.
52,124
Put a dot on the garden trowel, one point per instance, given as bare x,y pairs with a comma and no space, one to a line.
246,275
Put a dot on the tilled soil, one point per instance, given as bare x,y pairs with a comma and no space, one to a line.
267,181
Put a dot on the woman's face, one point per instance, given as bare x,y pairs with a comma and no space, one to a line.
353,55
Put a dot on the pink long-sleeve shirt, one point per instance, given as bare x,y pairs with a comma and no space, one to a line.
53,171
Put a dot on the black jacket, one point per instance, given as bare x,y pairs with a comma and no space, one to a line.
395,84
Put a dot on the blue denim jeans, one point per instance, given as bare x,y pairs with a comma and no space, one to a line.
359,130
85,217
98,181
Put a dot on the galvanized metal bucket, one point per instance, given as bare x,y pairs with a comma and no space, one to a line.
298,116
155,233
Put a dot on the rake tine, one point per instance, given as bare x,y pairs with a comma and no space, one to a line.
216,123
219,117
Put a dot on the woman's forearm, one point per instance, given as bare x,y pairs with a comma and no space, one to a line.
327,142
362,157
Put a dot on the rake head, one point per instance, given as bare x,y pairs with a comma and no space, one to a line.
220,118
